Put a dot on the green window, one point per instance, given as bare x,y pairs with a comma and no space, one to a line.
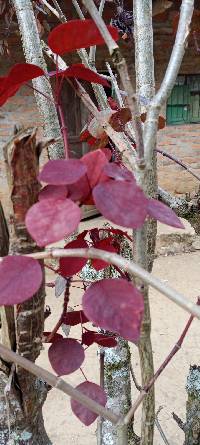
183,106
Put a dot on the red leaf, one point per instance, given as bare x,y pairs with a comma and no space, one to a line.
94,392
94,162
104,244
20,279
80,190
77,34
90,337
50,220
119,172
115,305
66,355
79,71
121,202
53,192
16,77
62,171
164,214
71,266
54,338
119,119
75,317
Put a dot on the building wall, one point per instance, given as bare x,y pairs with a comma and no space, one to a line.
182,141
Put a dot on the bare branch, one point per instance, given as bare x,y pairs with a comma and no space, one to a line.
57,383
127,266
158,425
179,162
121,65
177,55
149,385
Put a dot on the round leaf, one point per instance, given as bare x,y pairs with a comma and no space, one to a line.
62,171
94,162
104,244
121,202
71,266
20,279
66,355
94,392
53,191
115,305
50,220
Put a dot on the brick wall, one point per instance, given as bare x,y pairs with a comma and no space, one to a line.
183,141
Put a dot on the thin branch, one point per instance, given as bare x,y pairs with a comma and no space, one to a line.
149,385
78,9
179,162
169,80
127,266
52,9
122,143
62,17
92,54
138,387
121,65
159,427
57,383
177,55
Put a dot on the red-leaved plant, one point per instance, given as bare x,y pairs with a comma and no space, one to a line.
114,305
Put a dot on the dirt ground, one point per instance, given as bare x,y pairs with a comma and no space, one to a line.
168,321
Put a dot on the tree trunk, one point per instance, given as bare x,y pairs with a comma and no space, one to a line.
33,54
192,425
22,394
145,238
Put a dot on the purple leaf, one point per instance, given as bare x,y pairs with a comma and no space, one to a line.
163,213
50,220
118,172
115,305
20,279
66,355
53,192
94,392
94,162
121,202
71,266
62,171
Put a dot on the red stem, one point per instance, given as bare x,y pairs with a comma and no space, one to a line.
179,162
149,385
64,131
60,321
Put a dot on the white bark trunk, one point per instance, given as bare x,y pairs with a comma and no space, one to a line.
33,54
146,236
